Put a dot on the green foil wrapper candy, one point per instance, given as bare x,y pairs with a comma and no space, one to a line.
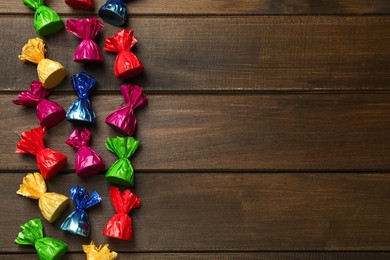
46,21
121,172
47,248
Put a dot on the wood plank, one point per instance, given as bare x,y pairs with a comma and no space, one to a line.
299,53
247,7
261,256
260,132
226,211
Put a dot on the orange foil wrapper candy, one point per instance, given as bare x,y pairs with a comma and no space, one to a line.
51,204
85,5
99,253
50,72
87,161
49,161
127,64
120,225
49,113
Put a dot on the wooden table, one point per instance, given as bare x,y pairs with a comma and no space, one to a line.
266,134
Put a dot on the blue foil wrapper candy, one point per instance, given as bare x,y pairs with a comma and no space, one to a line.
81,109
113,12
78,221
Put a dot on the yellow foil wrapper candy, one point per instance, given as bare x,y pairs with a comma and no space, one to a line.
51,204
50,73
99,253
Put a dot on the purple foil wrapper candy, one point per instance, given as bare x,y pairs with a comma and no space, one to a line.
86,29
87,161
123,119
49,113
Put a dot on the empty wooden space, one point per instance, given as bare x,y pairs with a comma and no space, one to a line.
265,136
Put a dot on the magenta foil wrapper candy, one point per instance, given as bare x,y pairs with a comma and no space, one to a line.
86,29
123,119
87,161
49,113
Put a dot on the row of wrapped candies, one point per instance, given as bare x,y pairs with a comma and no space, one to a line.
52,205
50,74
47,21
50,113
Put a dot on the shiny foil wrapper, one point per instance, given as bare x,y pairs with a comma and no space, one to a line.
46,21
99,253
81,109
78,221
49,113
85,5
50,73
49,161
113,12
47,248
86,29
51,204
127,65
120,225
121,172
87,161
123,119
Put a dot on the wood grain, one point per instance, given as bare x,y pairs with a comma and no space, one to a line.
228,255
276,53
228,132
226,212
209,7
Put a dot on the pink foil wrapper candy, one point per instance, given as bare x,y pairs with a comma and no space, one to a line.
86,29
123,119
87,161
49,113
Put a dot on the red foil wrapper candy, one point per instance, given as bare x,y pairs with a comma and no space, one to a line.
87,161
86,29
49,161
127,64
49,113
120,225
85,5
123,119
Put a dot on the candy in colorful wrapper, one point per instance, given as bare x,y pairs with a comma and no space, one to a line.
49,161
123,119
50,72
120,225
121,172
78,221
47,248
127,65
51,204
85,5
99,253
113,12
81,109
46,21
87,161
49,113
86,29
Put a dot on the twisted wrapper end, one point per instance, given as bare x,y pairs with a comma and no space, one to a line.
99,253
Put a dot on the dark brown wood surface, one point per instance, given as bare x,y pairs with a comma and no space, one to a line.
261,53
239,7
265,135
228,212
260,132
